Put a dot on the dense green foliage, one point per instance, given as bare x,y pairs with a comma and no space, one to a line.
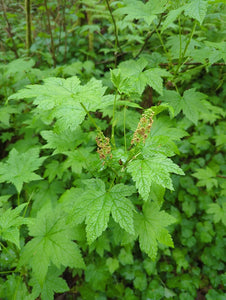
113,140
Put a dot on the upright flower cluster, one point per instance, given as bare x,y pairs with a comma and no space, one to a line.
104,147
143,127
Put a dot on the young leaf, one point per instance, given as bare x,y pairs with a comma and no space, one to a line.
52,243
135,9
191,103
150,227
151,169
196,9
96,204
62,141
20,166
10,222
154,78
53,283
61,98
171,17
219,213
206,177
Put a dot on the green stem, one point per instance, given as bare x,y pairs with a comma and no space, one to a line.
29,200
113,122
28,25
124,128
6,249
163,45
6,272
112,183
90,117
186,48
18,199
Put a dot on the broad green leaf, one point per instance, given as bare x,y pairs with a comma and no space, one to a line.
171,17
62,141
10,222
196,9
150,227
62,99
51,244
128,78
96,204
164,126
219,213
20,166
152,169
206,177
135,9
14,287
154,78
77,159
20,65
113,264
53,283
172,98
191,104
5,112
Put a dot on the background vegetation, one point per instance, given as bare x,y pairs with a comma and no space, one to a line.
91,93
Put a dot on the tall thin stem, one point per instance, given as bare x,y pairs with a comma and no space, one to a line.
28,25
90,117
117,45
113,121
181,63
124,127
52,48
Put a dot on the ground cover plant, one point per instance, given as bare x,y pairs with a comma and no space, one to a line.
112,171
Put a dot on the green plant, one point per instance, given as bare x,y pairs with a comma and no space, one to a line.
91,200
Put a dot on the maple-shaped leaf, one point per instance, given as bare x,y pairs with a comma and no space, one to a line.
10,222
128,77
77,159
150,227
96,204
53,283
62,141
206,177
20,166
154,78
219,213
51,244
135,9
5,112
62,99
153,168
196,9
191,103
164,126
171,17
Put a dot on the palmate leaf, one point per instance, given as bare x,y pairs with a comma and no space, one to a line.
20,166
96,204
150,227
191,103
219,213
152,169
62,99
51,244
62,141
130,78
196,9
53,283
154,78
10,222
135,9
